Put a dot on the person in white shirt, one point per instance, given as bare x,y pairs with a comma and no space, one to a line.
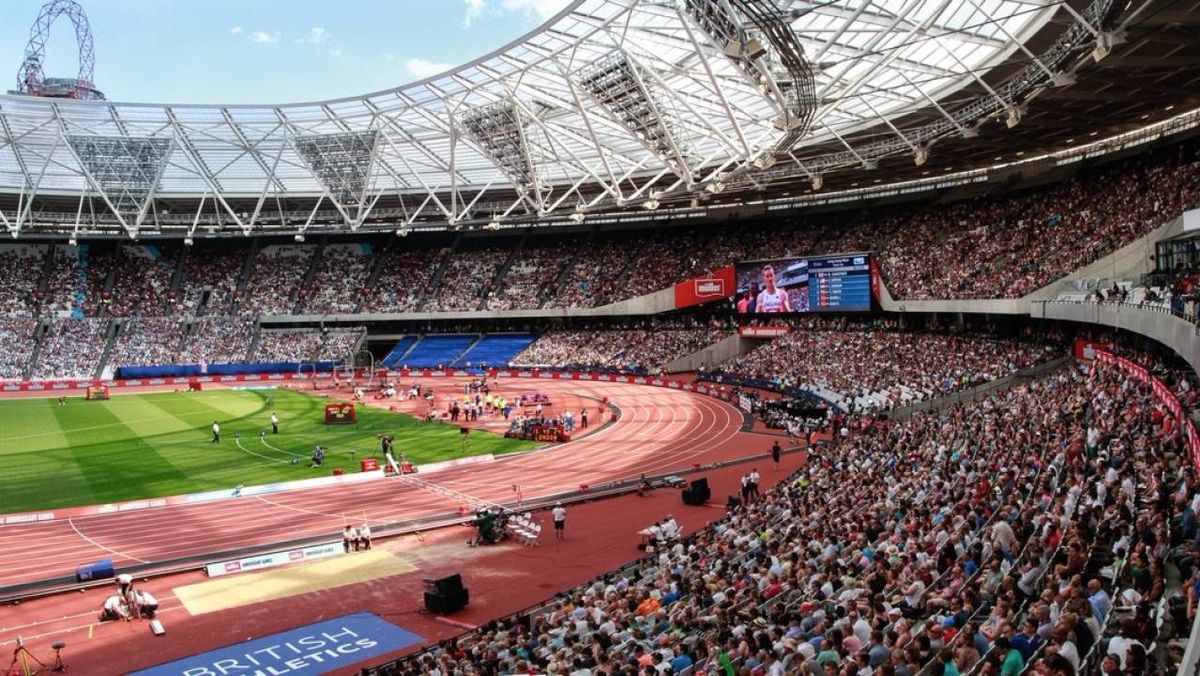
364,537
559,513
216,430
274,423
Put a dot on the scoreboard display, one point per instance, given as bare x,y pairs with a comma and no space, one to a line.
839,283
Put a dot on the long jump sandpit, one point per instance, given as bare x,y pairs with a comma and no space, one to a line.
249,588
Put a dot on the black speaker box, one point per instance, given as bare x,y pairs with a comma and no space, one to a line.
449,585
445,604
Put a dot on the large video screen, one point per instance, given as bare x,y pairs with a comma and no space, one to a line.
810,284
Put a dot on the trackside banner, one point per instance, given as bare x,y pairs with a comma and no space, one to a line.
700,290
320,648
273,559
1161,392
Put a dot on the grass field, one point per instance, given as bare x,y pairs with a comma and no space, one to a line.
148,445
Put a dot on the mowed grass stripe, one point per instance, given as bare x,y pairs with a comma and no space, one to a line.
117,464
48,478
30,426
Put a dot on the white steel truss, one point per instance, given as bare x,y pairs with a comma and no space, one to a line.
686,101
123,171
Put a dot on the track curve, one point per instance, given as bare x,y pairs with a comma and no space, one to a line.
659,430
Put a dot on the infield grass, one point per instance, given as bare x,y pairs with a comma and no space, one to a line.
151,445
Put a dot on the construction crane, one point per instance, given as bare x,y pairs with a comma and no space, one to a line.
32,81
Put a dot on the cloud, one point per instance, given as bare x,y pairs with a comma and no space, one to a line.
236,30
421,68
475,10
315,36
263,37
541,9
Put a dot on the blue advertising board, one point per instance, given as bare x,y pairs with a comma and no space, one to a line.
318,648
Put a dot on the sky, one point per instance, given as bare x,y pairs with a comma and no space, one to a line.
267,51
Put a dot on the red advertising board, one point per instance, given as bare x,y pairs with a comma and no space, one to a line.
339,414
1161,392
700,290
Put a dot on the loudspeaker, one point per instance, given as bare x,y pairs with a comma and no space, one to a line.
444,604
698,493
449,585
446,595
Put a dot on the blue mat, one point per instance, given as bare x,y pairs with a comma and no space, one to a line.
319,648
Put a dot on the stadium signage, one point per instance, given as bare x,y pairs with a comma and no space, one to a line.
763,331
28,518
1161,392
274,559
319,648
698,290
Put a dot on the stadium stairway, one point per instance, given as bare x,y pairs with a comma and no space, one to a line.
495,349
433,350
395,358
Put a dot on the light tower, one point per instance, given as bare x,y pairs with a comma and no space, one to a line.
30,79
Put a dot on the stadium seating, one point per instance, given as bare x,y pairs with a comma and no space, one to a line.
438,350
868,369
632,350
999,245
495,349
16,335
392,360
973,547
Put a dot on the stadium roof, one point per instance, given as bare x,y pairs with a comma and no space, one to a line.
609,103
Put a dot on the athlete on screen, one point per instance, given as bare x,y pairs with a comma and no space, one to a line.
771,298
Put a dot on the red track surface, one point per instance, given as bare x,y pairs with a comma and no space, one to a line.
659,430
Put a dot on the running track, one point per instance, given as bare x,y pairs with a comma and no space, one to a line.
660,430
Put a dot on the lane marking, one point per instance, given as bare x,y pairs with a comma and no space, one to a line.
97,544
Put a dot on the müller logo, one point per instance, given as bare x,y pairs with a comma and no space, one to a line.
710,287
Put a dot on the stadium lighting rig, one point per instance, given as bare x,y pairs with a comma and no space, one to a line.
620,85
499,129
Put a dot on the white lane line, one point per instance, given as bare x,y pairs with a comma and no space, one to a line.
97,544
264,457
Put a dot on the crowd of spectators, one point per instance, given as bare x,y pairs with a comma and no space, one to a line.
214,272
16,335
595,274
1018,243
404,279
143,283
20,272
148,341
859,367
71,348
63,288
337,286
631,350
275,278
533,276
306,345
469,277
219,340
1027,530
